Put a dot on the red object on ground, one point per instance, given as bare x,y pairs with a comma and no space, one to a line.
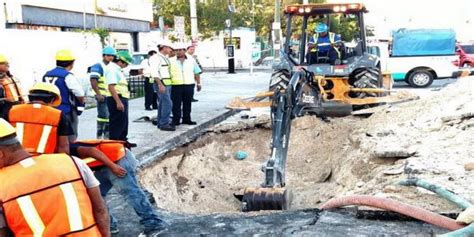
396,206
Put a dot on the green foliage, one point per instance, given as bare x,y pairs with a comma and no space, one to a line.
102,33
213,13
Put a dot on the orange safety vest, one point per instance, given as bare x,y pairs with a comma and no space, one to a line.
46,196
36,126
113,149
12,91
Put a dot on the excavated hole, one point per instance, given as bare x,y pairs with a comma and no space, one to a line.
203,176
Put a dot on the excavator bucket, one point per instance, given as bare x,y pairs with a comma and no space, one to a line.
238,103
256,199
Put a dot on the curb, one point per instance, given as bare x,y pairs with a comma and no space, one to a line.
150,156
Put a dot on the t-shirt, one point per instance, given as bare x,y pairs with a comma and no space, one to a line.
89,179
145,64
74,86
97,70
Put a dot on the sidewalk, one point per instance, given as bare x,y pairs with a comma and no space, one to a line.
218,89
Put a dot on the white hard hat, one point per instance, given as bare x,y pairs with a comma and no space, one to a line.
166,43
181,45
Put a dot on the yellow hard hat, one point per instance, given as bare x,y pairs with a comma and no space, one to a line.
3,59
6,129
43,89
65,55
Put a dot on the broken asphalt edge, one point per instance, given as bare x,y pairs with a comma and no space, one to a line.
154,154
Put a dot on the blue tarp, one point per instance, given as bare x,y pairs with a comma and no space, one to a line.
418,42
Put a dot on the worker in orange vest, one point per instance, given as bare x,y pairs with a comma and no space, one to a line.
98,155
10,92
47,195
41,128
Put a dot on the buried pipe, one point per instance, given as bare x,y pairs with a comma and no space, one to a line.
446,194
396,206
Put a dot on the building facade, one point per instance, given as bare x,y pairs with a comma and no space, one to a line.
123,18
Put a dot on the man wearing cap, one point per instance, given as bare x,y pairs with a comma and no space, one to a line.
323,45
72,93
117,101
184,77
160,72
10,92
151,98
65,200
42,129
97,79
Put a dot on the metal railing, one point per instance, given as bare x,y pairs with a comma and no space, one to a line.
136,86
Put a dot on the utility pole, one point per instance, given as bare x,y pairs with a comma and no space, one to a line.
230,47
276,26
194,22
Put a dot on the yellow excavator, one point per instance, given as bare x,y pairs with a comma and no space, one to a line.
299,87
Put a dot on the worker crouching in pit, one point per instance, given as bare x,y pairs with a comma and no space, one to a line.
115,166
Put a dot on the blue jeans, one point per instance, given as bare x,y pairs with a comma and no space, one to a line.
129,189
102,120
164,106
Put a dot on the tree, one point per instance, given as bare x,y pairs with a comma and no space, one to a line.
213,13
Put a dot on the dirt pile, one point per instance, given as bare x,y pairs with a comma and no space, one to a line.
430,138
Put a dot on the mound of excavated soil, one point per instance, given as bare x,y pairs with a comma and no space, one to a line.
430,138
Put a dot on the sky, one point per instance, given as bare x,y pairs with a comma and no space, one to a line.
386,15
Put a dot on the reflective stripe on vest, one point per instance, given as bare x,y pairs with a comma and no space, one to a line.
332,37
99,76
113,149
165,70
12,92
56,204
36,126
182,74
103,87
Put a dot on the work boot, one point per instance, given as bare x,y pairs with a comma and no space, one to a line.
169,128
189,122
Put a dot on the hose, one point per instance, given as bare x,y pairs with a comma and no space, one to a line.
396,206
464,232
448,195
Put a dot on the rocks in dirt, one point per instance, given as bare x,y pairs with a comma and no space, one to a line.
383,150
469,166
394,170
392,189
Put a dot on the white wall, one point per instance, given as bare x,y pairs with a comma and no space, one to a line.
211,52
31,53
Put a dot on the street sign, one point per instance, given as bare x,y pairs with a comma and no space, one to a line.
179,27
256,51
235,42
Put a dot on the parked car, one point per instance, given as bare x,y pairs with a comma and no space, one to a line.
466,55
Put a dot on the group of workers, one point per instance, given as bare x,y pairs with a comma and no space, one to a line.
53,192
